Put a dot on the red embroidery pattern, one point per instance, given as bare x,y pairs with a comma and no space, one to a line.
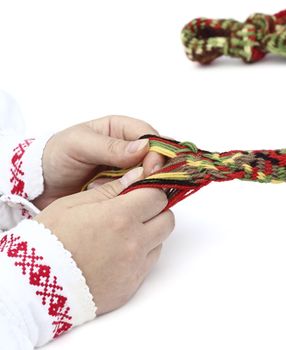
17,173
41,277
25,213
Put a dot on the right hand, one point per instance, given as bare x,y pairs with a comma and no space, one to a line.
115,240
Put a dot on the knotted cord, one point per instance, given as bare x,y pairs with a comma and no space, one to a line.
207,39
189,168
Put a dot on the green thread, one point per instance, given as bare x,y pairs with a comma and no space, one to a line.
207,39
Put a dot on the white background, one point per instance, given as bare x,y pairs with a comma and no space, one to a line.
221,280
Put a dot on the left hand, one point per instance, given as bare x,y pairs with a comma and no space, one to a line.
73,156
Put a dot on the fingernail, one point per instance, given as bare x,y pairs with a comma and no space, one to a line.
135,146
92,185
155,168
130,177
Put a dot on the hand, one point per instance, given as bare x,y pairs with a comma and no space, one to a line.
75,155
115,240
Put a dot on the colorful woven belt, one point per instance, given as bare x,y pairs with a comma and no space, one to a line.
207,39
189,168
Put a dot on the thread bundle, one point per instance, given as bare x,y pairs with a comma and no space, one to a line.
189,168
207,39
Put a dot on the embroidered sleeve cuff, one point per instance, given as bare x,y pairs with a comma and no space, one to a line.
13,209
41,286
21,165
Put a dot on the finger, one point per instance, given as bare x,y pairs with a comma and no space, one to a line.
142,203
154,161
167,137
151,163
107,191
92,148
122,127
98,182
158,229
128,128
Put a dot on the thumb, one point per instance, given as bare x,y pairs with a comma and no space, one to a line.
112,189
106,191
121,153
102,149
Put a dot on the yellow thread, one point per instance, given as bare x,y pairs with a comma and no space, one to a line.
110,173
201,163
214,156
163,151
177,175
236,155
261,176
276,181
248,168
227,161
113,173
231,160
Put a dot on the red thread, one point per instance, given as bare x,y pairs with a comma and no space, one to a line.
257,54
17,172
268,168
40,276
281,15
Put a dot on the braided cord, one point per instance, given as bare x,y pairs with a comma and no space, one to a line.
207,39
188,168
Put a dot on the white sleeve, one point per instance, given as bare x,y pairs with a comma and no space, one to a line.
21,175
43,293
11,336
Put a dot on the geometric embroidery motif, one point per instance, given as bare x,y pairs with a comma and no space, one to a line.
17,173
40,276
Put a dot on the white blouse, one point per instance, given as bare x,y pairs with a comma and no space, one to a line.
43,293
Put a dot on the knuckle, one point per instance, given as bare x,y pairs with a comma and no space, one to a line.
114,117
109,190
113,146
